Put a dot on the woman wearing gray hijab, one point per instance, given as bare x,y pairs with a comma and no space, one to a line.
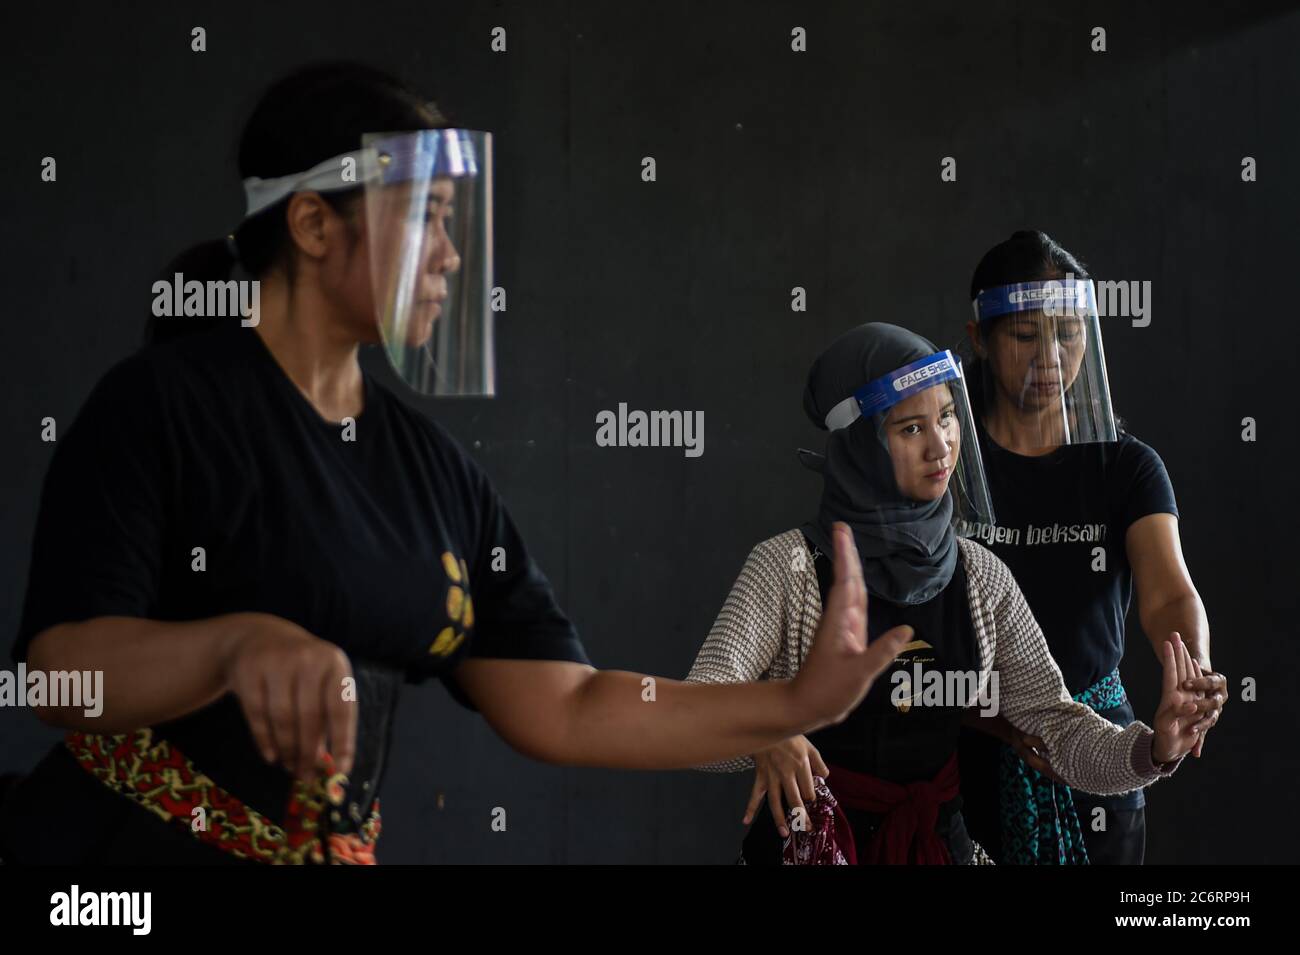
882,786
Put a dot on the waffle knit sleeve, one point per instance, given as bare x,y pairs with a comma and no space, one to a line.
748,634
1089,752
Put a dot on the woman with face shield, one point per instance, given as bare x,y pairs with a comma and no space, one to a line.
901,465
1085,513
258,544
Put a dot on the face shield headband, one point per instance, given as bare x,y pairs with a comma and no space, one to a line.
1055,297
967,484
878,396
428,239
1050,363
454,156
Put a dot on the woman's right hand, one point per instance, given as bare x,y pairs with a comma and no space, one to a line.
786,769
1032,751
841,666
290,686
1030,748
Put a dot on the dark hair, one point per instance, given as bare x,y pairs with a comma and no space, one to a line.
312,114
1028,256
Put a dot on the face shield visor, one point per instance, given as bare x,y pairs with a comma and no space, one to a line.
1042,361
428,233
922,418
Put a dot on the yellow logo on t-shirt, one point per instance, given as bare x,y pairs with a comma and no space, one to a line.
460,607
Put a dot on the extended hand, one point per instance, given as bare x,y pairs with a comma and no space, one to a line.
840,666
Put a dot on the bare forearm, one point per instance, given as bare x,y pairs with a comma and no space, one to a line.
153,670
613,723
1186,616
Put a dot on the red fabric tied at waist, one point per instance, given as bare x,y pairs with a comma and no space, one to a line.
159,777
906,835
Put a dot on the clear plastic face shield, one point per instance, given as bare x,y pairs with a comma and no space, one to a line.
1042,361
429,231
428,223
922,418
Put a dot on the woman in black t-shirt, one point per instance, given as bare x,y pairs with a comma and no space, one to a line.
1079,525
256,544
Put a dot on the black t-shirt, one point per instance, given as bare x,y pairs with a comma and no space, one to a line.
1061,518
393,545
1053,512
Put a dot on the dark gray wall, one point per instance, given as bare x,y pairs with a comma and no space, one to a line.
775,169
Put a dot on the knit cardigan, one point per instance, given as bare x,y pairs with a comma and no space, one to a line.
767,625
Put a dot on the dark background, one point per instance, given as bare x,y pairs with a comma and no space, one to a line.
775,169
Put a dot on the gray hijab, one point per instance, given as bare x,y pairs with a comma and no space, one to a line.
908,549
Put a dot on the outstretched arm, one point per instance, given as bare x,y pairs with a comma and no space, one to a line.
567,713
748,633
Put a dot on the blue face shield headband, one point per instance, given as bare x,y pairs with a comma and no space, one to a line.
1044,359
967,485
878,396
1072,297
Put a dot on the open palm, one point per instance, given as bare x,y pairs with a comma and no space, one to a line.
841,666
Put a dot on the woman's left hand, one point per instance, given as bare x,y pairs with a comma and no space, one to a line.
1179,721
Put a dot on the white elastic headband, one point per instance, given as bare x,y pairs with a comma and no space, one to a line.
327,176
843,414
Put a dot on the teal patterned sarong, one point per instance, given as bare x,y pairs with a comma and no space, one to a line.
1039,823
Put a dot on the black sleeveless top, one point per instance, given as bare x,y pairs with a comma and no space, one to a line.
886,735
